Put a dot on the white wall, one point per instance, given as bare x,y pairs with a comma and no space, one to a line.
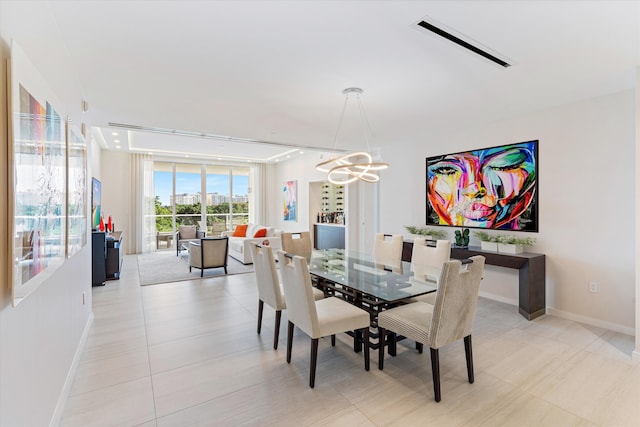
40,338
586,198
116,193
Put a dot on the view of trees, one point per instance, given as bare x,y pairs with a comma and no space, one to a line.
192,213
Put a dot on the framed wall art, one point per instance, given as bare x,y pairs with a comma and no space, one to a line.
37,187
290,198
492,188
76,190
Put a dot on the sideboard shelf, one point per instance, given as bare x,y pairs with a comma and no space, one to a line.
531,269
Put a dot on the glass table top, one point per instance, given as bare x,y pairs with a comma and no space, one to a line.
360,272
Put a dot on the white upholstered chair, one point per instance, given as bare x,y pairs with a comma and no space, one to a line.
449,319
426,263
317,319
269,286
387,251
209,253
297,244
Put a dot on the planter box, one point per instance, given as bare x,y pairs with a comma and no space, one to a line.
510,249
489,246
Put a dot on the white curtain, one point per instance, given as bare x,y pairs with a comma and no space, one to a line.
142,217
257,192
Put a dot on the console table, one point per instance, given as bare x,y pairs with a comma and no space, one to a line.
530,266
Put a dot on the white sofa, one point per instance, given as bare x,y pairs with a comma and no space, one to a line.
239,246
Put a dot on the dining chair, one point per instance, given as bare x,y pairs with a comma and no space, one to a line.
297,244
426,263
318,319
269,286
449,319
387,251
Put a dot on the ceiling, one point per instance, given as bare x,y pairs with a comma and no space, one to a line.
241,72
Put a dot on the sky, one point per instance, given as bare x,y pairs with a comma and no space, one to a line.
190,183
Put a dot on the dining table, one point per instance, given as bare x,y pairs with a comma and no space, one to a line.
358,279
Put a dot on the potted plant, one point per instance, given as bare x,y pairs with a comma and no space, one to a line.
428,233
462,238
488,242
513,245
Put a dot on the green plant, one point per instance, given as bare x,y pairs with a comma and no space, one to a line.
513,240
483,236
425,231
462,237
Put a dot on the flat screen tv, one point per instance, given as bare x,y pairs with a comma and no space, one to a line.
492,188
96,207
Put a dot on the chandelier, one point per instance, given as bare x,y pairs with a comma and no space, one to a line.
357,165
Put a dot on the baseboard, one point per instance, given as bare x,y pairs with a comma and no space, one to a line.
592,321
498,298
66,388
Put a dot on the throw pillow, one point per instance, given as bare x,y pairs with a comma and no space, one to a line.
240,231
261,233
187,231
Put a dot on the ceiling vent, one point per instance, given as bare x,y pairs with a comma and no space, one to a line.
457,39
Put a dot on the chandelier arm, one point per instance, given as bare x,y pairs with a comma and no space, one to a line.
344,109
365,123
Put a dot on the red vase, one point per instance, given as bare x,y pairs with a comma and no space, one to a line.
101,223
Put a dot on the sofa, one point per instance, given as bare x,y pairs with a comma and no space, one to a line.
244,235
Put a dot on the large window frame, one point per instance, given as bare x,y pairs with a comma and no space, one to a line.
214,223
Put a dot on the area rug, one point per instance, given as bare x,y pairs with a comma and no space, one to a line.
165,266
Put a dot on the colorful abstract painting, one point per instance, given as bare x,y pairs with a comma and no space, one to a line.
493,188
40,205
290,199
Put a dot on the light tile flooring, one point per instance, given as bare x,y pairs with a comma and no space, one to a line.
187,353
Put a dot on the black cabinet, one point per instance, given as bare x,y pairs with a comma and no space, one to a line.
114,255
106,256
98,258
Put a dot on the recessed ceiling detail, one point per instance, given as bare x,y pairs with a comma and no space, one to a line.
438,30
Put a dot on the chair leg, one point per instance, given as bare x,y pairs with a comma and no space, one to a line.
333,340
392,344
468,353
314,360
289,341
260,308
202,272
419,347
276,333
189,269
365,338
382,332
225,269
357,341
435,368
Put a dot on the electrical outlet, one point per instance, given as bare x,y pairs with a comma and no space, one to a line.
593,287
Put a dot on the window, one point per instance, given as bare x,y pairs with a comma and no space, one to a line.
215,198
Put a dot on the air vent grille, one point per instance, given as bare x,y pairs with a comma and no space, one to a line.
457,40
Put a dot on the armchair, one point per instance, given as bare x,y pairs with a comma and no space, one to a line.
209,253
186,234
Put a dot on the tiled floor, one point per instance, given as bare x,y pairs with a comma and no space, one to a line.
187,353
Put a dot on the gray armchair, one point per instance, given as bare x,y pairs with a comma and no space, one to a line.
209,253
186,234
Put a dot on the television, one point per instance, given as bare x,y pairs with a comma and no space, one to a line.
96,207
491,188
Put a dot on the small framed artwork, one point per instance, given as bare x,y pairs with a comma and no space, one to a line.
290,200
